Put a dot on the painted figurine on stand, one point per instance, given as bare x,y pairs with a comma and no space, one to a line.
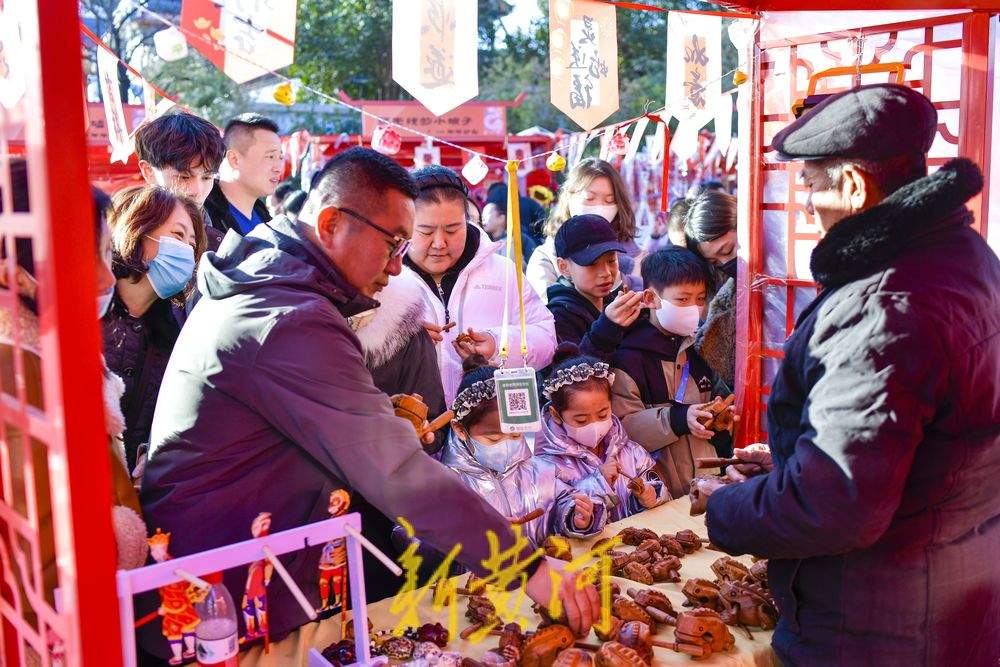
176,605
333,560
255,595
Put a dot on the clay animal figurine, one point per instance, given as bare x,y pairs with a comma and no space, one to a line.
637,572
573,657
704,628
634,536
542,647
747,604
647,597
652,546
670,545
689,540
702,593
612,632
730,569
627,610
613,654
758,572
722,415
667,568
410,407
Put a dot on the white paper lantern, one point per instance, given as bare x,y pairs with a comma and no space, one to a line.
170,44
475,170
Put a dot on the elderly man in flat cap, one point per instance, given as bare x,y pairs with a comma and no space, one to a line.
881,515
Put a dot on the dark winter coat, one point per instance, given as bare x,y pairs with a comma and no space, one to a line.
398,351
882,514
137,349
266,405
217,207
578,321
716,338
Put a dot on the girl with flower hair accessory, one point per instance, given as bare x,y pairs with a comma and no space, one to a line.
500,467
588,444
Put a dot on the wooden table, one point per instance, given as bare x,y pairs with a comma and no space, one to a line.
668,518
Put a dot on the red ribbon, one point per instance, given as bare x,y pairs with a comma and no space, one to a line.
665,185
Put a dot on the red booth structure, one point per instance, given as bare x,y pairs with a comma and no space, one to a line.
54,473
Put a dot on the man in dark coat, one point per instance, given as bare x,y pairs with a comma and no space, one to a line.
881,516
267,406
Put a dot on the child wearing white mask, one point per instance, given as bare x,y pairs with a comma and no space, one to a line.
661,383
592,187
500,467
586,441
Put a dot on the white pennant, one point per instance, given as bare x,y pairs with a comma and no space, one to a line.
114,115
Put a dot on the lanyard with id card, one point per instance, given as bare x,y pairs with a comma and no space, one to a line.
517,389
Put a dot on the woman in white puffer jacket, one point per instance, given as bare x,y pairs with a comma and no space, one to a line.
462,281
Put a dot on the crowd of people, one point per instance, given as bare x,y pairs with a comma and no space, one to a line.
255,332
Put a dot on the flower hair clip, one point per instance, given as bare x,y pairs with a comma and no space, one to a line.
471,397
575,374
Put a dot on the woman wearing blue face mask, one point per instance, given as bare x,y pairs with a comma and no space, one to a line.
499,466
156,238
588,444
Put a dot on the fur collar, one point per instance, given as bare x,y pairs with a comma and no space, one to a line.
870,241
386,330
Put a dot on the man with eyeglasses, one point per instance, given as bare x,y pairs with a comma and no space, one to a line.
266,405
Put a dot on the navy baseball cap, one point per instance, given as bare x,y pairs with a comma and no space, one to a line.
874,122
584,238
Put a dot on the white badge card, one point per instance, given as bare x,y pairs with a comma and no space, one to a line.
517,396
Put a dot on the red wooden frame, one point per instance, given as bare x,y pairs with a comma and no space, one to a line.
70,426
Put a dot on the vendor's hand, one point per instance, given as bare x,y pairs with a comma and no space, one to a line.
707,486
580,606
625,309
697,430
610,471
648,496
757,453
482,343
427,438
583,512
436,331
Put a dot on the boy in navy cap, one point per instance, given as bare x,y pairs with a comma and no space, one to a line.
581,301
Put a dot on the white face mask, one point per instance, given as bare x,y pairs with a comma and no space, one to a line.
606,211
497,456
589,435
104,300
680,320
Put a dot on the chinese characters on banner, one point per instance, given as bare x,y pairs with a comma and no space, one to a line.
107,74
435,51
244,38
583,60
694,73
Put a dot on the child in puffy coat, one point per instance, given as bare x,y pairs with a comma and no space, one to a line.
499,466
587,443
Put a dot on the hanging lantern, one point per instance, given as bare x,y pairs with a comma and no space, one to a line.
555,162
170,44
619,143
386,140
475,170
739,78
284,94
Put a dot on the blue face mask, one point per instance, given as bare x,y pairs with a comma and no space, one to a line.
496,457
171,270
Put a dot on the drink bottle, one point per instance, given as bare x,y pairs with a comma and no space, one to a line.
217,636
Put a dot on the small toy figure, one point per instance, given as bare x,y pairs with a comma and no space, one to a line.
176,605
258,578
333,560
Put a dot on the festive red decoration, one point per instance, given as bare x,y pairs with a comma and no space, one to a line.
386,140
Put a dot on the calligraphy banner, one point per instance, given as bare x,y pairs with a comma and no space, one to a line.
107,74
694,67
244,38
583,60
435,51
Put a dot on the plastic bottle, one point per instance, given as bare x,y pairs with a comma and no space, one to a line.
217,636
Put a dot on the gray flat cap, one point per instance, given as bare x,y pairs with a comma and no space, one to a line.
872,122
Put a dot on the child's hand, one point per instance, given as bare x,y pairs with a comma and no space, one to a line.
648,496
610,471
583,514
475,342
624,310
697,430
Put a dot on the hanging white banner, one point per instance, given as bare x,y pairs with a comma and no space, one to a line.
636,141
694,66
107,74
435,51
724,122
583,60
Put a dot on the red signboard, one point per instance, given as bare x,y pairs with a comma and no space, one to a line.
468,122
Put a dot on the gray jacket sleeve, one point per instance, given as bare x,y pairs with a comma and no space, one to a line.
874,377
323,399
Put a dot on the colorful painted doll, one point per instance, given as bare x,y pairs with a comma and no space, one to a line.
176,605
258,578
333,559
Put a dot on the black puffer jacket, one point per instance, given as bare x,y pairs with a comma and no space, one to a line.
882,514
137,350
578,321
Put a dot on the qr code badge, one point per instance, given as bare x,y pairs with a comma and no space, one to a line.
518,403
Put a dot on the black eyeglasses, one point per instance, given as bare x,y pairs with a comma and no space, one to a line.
399,244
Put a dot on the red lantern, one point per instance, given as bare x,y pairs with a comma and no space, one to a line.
386,140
